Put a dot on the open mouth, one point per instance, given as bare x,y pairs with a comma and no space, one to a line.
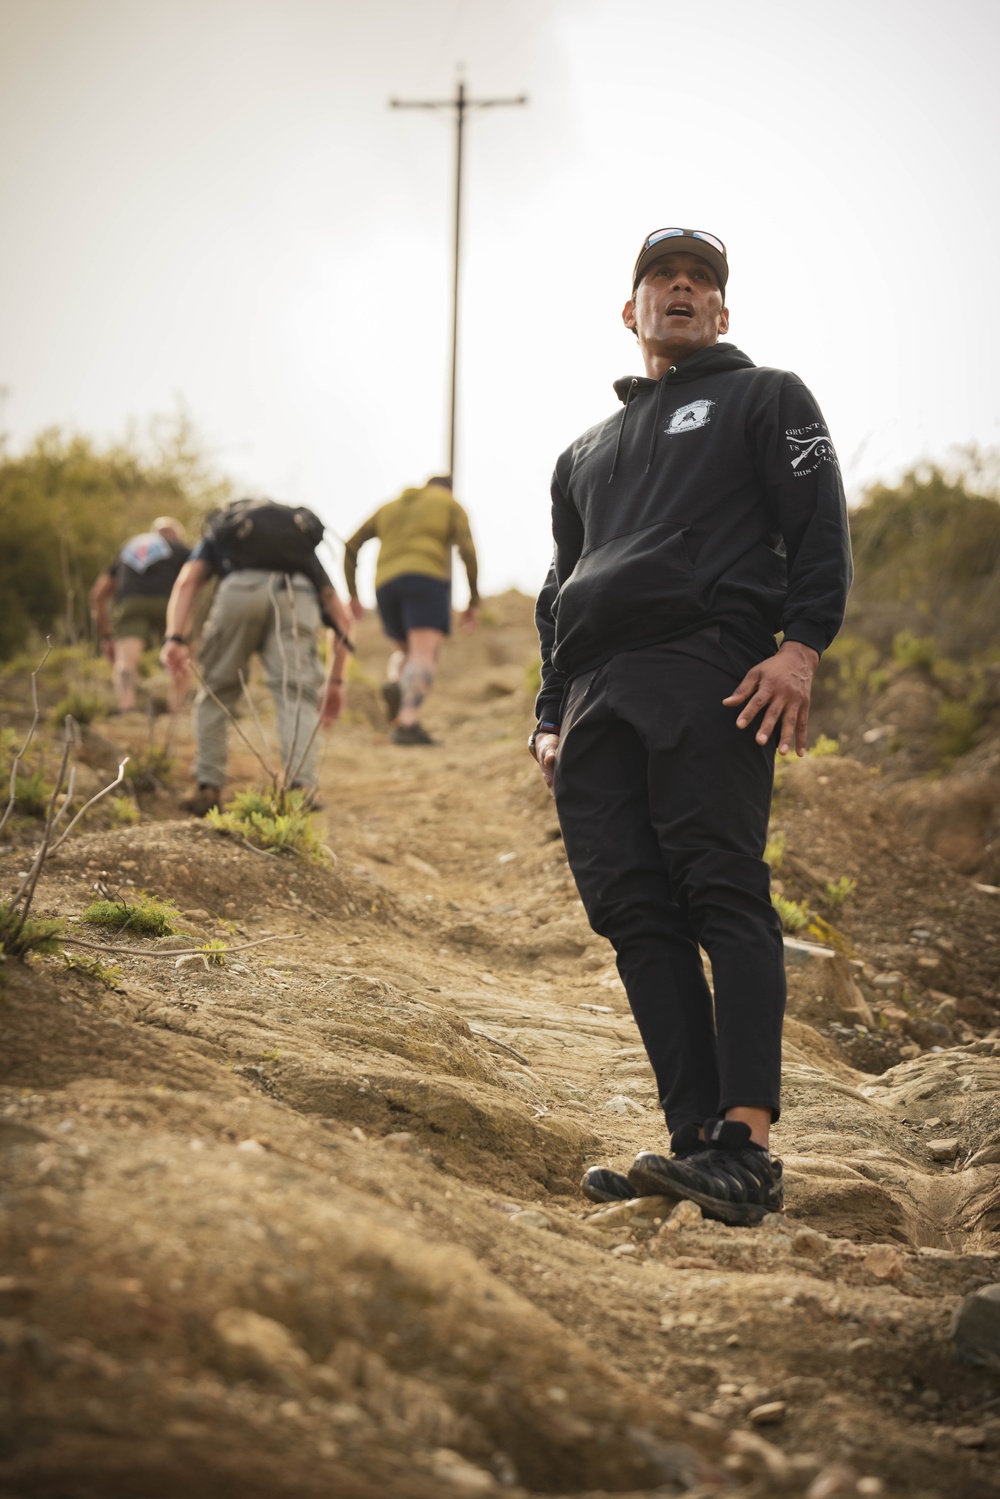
680,309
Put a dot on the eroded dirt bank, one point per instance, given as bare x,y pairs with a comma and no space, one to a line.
309,1223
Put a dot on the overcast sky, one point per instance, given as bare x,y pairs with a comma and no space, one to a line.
209,202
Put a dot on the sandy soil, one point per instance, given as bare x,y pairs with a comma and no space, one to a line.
309,1223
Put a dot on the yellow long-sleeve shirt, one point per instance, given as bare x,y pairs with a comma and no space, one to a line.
417,532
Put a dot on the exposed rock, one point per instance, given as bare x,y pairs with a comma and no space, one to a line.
975,1328
943,1150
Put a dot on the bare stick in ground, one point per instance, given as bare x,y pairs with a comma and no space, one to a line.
31,734
235,723
26,892
87,805
180,952
254,714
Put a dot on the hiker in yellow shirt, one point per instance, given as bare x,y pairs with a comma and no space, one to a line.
413,592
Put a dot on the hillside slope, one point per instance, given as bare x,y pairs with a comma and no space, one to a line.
308,1223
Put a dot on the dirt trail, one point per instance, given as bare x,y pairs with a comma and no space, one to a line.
309,1223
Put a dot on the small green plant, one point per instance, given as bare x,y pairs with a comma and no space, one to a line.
824,746
533,677
914,651
21,935
840,891
280,822
958,724
150,767
148,917
93,968
214,952
775,848
84,706
125,812
32,794
795,914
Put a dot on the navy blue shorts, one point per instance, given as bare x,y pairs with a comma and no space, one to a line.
414,602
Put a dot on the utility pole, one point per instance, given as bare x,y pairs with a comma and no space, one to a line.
460,104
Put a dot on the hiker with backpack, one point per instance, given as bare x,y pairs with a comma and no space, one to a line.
272,596
128,604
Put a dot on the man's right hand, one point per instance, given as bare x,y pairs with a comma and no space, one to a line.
357,609
546,748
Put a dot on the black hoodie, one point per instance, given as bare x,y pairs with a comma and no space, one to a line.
714,497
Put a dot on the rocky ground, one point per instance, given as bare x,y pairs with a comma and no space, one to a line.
308,1223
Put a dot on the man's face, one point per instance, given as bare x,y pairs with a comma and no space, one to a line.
677,308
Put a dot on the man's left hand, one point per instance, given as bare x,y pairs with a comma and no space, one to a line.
333,703
781,688
467,619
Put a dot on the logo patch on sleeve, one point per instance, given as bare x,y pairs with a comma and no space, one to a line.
689,418
810,447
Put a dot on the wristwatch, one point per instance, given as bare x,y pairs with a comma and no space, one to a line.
174,640
540,728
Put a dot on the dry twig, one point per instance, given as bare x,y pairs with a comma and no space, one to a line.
180,952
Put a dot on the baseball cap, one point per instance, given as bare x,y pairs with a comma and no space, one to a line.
695,241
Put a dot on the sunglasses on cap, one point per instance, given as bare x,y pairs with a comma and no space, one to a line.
658,234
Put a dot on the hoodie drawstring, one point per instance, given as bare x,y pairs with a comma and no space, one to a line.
656,418
633,387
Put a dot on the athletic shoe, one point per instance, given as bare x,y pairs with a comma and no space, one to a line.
731,1179
392,696
601,1184
202,801
411,733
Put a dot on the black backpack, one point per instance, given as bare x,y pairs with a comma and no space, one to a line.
264,534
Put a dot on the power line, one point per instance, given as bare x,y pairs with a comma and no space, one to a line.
460,104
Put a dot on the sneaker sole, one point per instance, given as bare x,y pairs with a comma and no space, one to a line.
392,696
736,1214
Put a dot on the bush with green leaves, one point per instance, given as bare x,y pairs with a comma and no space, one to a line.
81,703
21,935
146,917
278,821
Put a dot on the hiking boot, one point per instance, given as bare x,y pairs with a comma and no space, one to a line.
411,733
392,696
202,800
601,1184
685,1141
731,1179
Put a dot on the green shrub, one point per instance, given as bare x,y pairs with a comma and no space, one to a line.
81,704
124,811
148,917
958,724
280,821
795,914
21,935
840,891
824,746
914,651
775,848
533,677
32,794
855,662
150,767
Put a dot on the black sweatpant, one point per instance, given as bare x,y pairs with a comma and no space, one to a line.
664,807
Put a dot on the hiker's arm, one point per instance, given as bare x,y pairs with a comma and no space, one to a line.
462,537
333,698
175,655
352,546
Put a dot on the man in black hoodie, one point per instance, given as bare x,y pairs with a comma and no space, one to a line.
690,529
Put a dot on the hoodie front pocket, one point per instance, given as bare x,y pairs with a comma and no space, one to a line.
645,571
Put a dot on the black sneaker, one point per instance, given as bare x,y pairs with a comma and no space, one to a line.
392,696
412,733
601,1184
730,1179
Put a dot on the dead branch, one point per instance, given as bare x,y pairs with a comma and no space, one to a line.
87,805
235,723
31,734
256,718
477,1030
26,892
181,952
